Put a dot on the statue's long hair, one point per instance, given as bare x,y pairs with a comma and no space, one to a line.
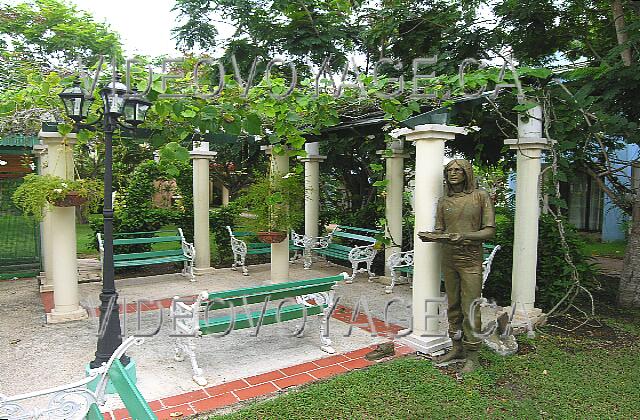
470,181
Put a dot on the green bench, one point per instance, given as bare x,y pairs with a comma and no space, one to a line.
355,254
298,299
180,250
245,243
77,400
402,263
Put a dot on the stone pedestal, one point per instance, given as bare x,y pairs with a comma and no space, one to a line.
394,196
279,251
429,140
312,188
201,157
61,230
528,146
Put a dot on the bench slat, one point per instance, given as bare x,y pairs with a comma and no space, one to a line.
131,397
148,255
273,287
143,233
149,261
344,257
354,236
152,240
359,229
274,295
287,313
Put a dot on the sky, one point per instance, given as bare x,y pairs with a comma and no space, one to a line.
144,25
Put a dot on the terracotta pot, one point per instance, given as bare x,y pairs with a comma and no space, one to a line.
271,237
73,199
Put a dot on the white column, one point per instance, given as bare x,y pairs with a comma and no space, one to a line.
201,157
529,146
394,175
225,195
312,187
46,277
429,140
63,263
279,251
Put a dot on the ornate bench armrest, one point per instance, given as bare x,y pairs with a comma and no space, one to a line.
186,317
187,248
362,253
400,259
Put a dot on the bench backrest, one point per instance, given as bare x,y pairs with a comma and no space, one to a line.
258,294
144,238
262,293
356,233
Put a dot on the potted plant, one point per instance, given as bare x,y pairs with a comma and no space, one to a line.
38,192
274,205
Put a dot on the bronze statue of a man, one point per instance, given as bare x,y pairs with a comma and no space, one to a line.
465,218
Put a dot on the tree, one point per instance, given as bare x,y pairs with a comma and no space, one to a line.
55,33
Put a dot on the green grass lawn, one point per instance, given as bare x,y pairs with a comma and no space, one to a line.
556,375
606,249
84,240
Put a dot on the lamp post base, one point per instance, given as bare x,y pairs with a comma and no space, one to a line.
59,317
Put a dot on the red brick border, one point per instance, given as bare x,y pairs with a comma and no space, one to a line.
228,393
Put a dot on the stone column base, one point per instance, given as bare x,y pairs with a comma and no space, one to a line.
203,271
524,321
427,345
59,317
44,286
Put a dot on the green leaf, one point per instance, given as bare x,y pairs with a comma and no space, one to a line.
253,124
188,113
381,183
64,128
524,107
209,112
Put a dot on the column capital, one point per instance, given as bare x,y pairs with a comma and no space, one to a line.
528,143
429,132
57,138
312,158
202,154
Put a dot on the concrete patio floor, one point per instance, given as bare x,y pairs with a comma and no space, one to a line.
37,355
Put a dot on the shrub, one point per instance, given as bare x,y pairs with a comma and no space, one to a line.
553,273
219,219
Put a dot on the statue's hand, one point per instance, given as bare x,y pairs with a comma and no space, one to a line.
456,237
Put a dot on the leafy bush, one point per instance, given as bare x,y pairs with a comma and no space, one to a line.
219,219
553,273
276,204
134,210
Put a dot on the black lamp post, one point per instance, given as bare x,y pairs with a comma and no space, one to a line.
117,102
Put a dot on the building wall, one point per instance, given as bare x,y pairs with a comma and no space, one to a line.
614,219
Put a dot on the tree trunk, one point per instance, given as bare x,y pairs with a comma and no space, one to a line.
618,22
629,290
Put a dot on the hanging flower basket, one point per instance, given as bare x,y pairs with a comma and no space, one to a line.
72,199
272,237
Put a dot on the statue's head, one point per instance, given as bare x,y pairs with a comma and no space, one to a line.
459,171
